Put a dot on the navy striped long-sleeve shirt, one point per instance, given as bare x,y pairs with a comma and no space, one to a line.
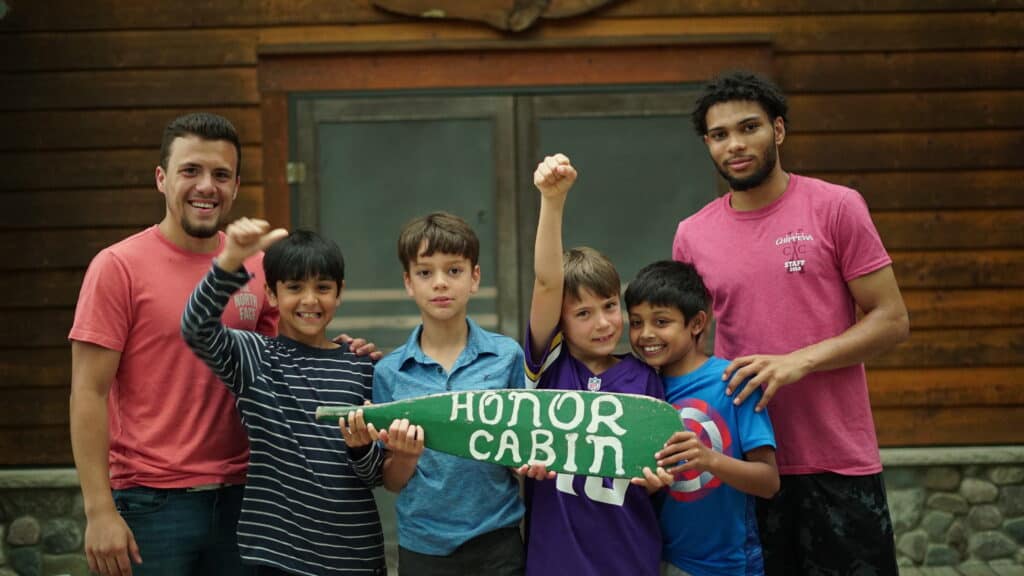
308,508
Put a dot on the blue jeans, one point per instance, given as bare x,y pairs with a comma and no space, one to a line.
180,532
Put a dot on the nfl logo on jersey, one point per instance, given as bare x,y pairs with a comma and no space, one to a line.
594,384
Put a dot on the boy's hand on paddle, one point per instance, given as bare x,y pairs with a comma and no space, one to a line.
246,236
356,432
687,448
554,176
672,453
360,346
653,480
403,439
765,371
535,471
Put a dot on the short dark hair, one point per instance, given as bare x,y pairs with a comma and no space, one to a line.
204,125
670,284
739,85
584,267
443,232
301,255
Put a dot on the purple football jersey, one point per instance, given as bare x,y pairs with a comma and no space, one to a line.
586,524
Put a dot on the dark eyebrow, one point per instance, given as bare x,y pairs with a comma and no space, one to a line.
742,121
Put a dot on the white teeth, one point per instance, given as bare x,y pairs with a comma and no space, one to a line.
652,349
309,315
199,204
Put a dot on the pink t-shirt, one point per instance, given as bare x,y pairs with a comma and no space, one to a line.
778,280
173,424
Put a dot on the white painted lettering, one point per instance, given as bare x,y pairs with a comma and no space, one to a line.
596,418
491,399
477,435
577,414
457,406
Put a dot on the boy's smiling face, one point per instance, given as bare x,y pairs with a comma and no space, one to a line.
662,337
592,325
441,284
306,308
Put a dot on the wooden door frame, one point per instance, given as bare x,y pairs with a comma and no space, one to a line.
287,69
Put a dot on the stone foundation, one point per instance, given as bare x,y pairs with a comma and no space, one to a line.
41,523
958,507
956,511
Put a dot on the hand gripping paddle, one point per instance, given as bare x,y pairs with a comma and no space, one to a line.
575,432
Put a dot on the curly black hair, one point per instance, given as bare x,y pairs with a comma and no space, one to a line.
739,85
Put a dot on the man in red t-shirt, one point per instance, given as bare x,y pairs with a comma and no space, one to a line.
160,451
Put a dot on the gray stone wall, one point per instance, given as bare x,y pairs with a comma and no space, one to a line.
41,523
956,511
958,508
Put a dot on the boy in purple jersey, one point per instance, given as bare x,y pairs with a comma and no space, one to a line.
708,522
580,524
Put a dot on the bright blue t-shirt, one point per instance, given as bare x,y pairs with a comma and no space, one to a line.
451,500
709,528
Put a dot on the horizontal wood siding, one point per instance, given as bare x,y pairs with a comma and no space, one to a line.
918,105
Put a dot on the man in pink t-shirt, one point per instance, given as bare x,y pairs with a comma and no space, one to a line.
788,261
158,444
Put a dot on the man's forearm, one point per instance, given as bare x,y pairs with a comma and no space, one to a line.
90,446
876,332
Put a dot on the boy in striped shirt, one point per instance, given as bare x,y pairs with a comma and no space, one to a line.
308,506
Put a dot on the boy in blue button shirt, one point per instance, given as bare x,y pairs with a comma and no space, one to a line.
455,516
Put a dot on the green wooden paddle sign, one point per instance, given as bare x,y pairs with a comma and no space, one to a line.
574,432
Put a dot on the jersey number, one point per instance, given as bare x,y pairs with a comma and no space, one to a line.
595,490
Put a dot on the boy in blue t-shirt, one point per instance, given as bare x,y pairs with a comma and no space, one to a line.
708,523
455,516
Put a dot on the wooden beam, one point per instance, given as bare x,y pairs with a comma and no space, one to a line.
906,111
277,191
901,72
959,347
105,129
67,15
943,269
965,308
35,328
959,425
946,150
934,190
504,68
99,89
36,407
64,248
988,386
36,446
951,230
128,168
793,7
59,15
35,367
31,289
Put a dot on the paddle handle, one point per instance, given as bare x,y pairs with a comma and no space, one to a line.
380,415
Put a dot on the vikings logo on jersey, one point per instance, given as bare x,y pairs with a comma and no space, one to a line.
703,420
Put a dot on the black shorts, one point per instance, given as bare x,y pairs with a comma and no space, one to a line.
497,553
827,525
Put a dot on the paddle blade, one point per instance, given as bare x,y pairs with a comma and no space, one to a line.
574,432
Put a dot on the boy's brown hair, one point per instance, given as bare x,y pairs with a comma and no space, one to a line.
443,232
587,268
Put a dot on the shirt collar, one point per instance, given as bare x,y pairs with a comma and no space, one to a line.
478,342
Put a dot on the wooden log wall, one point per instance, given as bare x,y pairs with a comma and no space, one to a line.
921,108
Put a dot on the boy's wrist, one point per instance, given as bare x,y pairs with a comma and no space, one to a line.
228,263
